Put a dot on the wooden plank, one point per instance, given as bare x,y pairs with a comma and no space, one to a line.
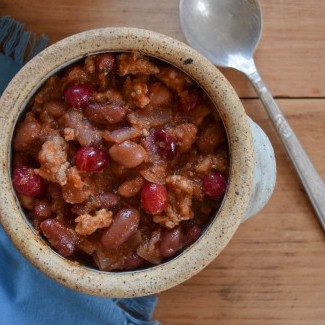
291,55
272,272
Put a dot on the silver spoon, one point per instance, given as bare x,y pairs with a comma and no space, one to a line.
227,33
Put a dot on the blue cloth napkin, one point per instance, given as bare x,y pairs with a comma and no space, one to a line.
27,296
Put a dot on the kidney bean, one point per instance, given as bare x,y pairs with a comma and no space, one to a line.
131,187
151,146
108,199
128,154
159,95
125,224
133,261
42,209
167,143
55,108
27,134
191,233
149,249
105,62
64,240
105,113
171,242
104,200
55,192
188,101
122,134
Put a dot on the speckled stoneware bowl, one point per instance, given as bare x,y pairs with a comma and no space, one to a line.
251,180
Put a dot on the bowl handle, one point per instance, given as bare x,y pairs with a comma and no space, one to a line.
264,171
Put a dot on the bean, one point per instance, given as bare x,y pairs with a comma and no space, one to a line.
191,234
105,113
27,134
131,187
55,108
159,95
108,199
64,240
55,192
167,142
105,62
171,242
103,200
56,195
189,101
121,135
42,209
133,261
125,224
128,154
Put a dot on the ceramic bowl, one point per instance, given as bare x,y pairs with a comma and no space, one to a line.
251,178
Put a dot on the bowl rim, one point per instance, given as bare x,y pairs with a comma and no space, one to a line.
227,220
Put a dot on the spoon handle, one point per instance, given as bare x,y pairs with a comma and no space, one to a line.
309,176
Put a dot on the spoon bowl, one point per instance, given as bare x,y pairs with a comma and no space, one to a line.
227,33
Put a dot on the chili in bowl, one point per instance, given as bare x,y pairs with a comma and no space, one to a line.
128,162
119,162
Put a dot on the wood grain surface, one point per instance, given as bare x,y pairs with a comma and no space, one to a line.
290,56
273,270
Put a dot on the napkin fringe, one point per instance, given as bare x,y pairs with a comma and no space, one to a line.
18,46
17,43
138,311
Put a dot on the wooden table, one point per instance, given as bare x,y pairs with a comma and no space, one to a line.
273,270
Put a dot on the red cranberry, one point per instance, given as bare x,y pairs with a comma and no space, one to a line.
154,198
188,103
214,185
91,159
78,96
26,182
167,143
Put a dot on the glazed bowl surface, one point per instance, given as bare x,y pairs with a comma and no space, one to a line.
241,177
